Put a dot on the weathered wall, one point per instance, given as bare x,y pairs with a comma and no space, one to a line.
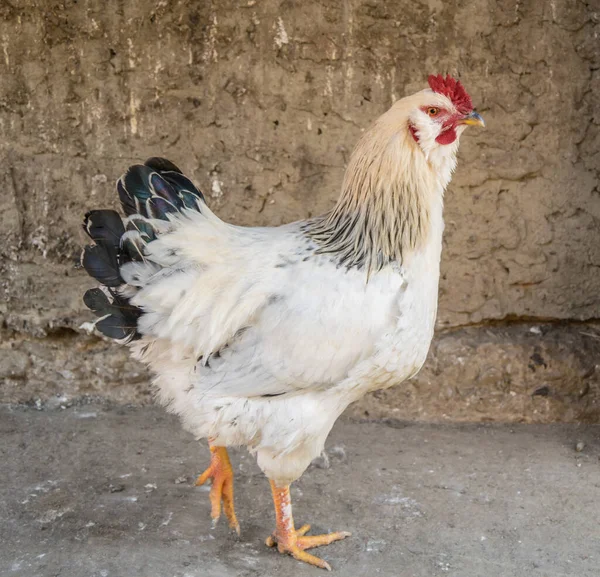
261,103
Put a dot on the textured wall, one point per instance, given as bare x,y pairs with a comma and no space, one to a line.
261,103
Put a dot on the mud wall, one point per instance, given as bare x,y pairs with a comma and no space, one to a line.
261,103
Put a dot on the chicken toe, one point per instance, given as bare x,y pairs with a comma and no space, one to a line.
221,491
295,541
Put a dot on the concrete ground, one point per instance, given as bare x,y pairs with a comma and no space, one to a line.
92,491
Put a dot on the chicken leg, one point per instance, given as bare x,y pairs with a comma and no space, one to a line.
221,473
295,541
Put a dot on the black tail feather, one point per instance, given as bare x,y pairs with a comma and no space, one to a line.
118,318
97,301
104,226
102,260
142,226
100,264
117,327
149,191
156,189
162,164
185,188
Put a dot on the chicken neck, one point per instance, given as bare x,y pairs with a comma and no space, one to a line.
384,211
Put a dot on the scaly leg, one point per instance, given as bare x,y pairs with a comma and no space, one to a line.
221,473
292,541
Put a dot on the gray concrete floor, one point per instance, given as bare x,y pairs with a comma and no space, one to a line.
99,492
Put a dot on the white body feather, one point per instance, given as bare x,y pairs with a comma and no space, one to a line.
318,334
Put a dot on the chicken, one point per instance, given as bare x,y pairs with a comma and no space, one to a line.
261,337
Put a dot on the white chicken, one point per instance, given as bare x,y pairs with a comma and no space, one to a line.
263,336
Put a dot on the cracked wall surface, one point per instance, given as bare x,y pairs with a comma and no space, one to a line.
261,102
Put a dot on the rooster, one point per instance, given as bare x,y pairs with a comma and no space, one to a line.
263,336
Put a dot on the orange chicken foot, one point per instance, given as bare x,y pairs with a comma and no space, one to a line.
221,473
292,541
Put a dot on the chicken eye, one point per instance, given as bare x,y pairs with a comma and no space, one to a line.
432,111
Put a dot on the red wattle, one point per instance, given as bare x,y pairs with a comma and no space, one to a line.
447,137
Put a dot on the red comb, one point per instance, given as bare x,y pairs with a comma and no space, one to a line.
454,90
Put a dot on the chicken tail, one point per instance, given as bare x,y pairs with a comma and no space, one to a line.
157,188
148,194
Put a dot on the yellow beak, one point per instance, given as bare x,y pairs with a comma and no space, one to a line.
473,119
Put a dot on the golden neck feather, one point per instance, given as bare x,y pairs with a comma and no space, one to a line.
384,211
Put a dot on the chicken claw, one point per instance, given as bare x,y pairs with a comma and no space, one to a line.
221,473
295,541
